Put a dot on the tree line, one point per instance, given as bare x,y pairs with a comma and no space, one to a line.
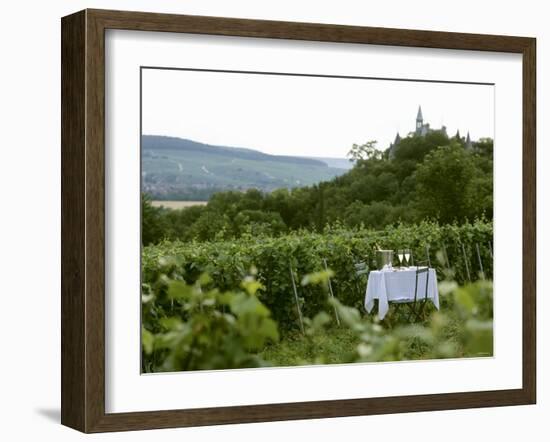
429,178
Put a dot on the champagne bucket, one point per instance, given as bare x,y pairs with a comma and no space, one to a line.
384,258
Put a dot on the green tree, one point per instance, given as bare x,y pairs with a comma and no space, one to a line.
484,146
444,184
416,148
153,225
367,151
258,222
179,223
210,225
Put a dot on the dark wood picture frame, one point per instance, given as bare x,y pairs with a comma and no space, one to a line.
83,216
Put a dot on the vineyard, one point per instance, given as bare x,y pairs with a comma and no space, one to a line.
228,262
291,274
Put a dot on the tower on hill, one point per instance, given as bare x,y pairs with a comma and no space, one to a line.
421,130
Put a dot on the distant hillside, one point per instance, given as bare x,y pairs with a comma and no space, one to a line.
181,169
339,163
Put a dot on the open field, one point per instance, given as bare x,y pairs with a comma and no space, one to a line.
178,204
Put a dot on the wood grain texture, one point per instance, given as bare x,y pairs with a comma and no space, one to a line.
144,21
83,219
529,220
95,222
73,253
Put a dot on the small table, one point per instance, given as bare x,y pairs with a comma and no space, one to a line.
398,285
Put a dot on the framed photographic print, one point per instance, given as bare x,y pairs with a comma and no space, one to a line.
270,220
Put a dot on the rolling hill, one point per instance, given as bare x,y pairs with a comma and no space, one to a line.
181,169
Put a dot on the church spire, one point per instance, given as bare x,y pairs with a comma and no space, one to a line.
419,115
468,141
419,120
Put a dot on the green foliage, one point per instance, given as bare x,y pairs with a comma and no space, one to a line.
228,262
367,151
209,329
205,329
464,328
452,186
452,332
416,148
431,177
153,224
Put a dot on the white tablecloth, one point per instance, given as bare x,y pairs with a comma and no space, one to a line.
398,285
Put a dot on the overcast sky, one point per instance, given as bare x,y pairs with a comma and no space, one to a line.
305,116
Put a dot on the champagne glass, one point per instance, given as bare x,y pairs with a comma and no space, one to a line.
407,255
400,256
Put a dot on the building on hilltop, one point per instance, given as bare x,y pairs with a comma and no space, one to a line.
468,144
421,130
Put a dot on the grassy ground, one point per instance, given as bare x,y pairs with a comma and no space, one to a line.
332,347
336,345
